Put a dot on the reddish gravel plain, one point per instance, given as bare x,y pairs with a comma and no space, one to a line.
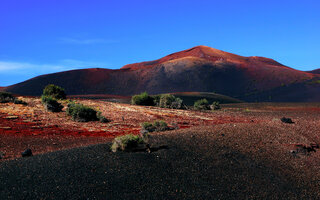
30,126
243,151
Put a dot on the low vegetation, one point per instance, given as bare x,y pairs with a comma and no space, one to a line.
215,106
163,100
6,97
51,104
155,127
54,91
127,142
81,113
170,101
143,99
202,104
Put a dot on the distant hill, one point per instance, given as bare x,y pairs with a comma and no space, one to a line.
199,69
190,97
316,71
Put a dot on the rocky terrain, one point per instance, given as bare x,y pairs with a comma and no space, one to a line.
244,151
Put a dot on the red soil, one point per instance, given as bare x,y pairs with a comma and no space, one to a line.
31,126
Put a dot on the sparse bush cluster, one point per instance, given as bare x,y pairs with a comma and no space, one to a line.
215,105
6,97
78,112
142,99
81,113
170,101
51,95
156,126
163,101
203,104
127,142
51,104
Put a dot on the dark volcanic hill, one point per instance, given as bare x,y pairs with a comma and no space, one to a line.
199,69
316,71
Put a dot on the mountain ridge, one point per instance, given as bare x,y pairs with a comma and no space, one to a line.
198,69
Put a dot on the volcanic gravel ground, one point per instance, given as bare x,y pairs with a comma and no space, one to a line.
190,164
243,151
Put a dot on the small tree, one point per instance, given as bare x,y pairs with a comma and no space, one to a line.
202,104
54,91
142,99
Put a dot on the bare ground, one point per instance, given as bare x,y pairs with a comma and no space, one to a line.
243,151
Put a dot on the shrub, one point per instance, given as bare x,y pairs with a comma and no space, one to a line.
156,100
51,104
166,100
126,142
177,103
170,101
142,99
18,101
215,105
201,104
6,97
160,125
148,126
81,113
156,126
54,91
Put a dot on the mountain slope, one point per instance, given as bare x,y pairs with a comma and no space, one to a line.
199,69
316,71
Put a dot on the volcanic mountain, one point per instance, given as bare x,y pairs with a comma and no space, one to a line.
199,69
316,71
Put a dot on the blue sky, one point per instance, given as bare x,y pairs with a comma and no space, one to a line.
45,36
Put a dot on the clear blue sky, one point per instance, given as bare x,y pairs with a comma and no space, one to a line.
45,36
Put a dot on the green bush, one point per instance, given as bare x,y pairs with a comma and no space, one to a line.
160,126
6,97
54,92
156,126
148,126
142,99
215,105
177,103
126,142
156,99
166,100
81,113
201,104
170,101
51,104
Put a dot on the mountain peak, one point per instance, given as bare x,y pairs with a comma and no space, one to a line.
201,51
